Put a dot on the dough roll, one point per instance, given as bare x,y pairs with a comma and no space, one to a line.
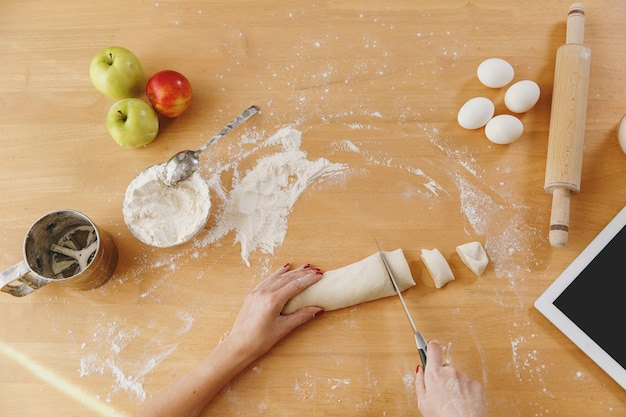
362,281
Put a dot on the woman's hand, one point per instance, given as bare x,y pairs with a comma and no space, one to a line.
257,328
260,325
445,391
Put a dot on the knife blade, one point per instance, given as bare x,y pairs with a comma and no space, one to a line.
420,341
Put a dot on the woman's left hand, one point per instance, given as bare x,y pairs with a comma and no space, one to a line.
260,325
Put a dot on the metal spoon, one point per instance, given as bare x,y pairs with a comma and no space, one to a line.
182,165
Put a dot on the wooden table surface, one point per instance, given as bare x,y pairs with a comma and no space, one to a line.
372,85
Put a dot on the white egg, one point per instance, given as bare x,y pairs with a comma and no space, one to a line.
495,72
522,96
504,129
475,113
621,134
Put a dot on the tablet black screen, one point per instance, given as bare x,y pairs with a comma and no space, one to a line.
596,299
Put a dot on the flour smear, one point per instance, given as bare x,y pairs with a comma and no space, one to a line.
259,203
118,359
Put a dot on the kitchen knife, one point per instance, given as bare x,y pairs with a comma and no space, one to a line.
419,339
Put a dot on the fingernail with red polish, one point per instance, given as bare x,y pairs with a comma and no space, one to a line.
319,313
318,271
286,265
306,266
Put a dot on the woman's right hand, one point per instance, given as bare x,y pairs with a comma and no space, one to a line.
445,391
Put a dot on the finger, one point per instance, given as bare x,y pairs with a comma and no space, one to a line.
299,317
283,278
420,386
300,283
274,276
435,354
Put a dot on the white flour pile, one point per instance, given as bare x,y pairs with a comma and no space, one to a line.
164,216
258,205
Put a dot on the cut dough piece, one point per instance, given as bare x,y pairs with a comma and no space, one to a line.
362,281
473,256
437,266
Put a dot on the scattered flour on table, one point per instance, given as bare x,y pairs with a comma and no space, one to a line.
409,380
305,387
336,383
121,363
525,358
495,215
259,203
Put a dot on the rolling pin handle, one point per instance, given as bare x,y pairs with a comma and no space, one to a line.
575,24
559,218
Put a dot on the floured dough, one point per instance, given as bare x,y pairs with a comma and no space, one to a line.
473,256
362,281
437,266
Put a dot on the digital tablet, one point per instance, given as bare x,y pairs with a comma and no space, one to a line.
587,302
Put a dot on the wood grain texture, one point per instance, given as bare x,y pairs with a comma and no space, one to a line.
373,85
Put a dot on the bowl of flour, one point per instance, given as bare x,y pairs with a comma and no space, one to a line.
165,216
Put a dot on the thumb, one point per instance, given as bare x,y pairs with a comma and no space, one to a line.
301,316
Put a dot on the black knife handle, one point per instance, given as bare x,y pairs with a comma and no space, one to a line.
423,357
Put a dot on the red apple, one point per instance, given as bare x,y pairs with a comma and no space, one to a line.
169,92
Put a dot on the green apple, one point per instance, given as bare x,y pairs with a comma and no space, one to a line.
117,73
132,122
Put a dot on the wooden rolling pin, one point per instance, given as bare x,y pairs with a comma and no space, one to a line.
567,124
